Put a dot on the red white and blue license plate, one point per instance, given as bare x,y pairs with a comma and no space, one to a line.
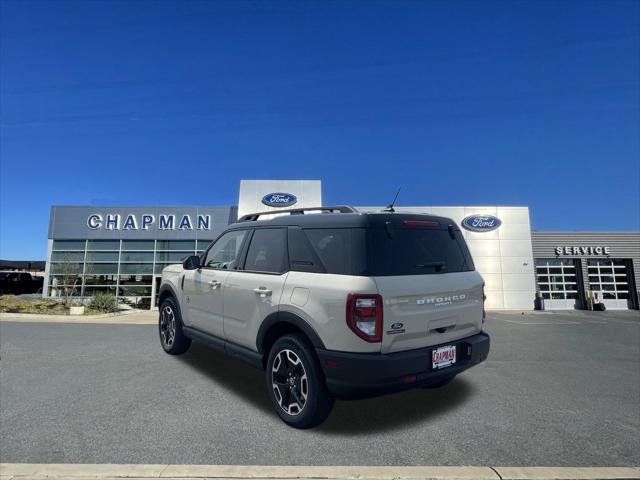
443,357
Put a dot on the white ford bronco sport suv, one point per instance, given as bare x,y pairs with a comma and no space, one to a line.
334,305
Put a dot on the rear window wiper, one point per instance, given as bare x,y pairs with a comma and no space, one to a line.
437,265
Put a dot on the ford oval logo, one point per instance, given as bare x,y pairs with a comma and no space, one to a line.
481,223
397,325
279,199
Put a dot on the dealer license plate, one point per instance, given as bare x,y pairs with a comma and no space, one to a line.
443,357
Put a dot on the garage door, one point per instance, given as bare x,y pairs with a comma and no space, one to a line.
557,282
610,280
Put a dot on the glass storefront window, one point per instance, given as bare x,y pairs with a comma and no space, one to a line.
67,256
102,256
68,245
91,291
136,257
125,268
138,268
135,279
172,257
103,245
101,268
129,291
176,245
65,280
138,245
66,268
100,279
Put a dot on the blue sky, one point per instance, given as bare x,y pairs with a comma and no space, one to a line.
460,103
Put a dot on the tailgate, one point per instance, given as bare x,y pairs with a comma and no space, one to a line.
425,310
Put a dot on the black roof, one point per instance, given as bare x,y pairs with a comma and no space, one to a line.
347,217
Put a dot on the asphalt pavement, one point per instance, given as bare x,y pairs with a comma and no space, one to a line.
557,389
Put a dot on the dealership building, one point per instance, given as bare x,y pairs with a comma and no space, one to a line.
122,250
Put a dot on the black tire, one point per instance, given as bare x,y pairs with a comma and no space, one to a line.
297,383
172,338
441,382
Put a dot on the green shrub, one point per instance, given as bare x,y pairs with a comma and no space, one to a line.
104,302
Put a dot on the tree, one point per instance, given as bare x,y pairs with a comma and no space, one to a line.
69,273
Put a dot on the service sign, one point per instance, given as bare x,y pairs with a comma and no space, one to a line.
279,199
583,250
481,223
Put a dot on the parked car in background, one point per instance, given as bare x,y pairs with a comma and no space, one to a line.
18,283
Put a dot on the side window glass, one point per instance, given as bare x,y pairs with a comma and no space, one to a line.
267,251
342,250
301,255
224,253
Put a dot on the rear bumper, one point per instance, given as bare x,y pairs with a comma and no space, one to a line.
361,375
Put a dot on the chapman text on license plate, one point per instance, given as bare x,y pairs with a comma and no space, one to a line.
443,357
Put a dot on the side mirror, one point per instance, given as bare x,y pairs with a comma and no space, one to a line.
191,263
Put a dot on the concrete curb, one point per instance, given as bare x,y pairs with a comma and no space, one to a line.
131,317
23,471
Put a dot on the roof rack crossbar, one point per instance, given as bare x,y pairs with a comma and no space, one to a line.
250,217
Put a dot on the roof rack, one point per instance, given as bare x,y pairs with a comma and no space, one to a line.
250,217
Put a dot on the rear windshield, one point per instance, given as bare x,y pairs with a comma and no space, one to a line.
417,251
378,252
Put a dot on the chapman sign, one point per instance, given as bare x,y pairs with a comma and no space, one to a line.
144,222
588,250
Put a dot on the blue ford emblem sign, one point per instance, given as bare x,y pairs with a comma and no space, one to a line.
481,223
279,199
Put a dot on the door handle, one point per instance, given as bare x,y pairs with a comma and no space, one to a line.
262,291
214,283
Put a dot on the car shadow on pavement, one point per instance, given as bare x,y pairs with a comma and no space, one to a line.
350,417
233,374
395,411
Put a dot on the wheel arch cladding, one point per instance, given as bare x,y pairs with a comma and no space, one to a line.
281,323
167,291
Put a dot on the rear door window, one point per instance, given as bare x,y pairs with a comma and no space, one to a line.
267,251
418,251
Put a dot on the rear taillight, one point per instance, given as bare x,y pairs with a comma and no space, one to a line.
364,316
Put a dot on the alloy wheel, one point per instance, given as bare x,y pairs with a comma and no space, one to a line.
289,382
167,326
